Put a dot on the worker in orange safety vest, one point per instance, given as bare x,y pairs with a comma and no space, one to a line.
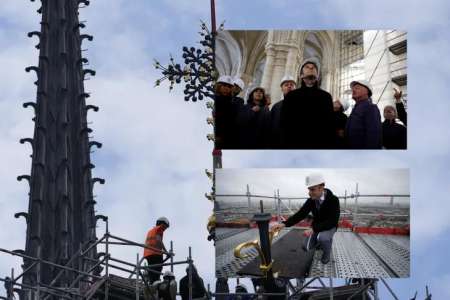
155,248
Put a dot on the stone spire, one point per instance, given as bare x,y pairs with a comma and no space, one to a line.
61,214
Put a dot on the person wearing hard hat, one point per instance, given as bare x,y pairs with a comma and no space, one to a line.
155,248
243,291
225,113
167,289
324,206
340,120
287,84
238,87
363,129
394,131
307,113
253,121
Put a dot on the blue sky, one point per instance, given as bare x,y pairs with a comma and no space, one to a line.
155,150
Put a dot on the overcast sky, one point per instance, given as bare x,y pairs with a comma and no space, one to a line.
291,182
155,150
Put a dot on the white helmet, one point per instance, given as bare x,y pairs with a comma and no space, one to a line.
225,79
287,78
314,179
364,83
168,274
163,220
239,82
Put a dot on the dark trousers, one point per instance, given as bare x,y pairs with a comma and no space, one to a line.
152,260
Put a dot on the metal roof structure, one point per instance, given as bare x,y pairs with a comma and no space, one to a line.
354,255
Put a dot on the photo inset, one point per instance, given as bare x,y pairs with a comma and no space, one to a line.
298,223
301,89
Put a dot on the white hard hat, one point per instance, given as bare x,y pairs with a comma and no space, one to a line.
168,274
225,79
364,83
314,179
239,82
311,60
257,88
287,78
344,103
163,220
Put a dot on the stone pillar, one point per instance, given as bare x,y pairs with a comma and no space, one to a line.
268,68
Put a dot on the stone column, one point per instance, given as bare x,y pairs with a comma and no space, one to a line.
268,68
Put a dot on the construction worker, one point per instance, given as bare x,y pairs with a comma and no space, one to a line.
324,206
307,113
287,84
225,113
167,289
363,129
238,87
154,253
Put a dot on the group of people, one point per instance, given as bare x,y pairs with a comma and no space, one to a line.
306,117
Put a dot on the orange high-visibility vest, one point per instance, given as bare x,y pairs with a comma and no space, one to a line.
154,240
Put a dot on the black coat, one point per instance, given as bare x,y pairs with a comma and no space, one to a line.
198,287
340,121
394,135
401,112
325,218
253,128
307,119
225,115
276,134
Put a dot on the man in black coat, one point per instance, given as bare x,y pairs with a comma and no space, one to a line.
307,114
324,206
276,135
198,287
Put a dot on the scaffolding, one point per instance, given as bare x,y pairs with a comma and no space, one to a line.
95,285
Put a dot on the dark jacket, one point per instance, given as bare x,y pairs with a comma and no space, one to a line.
225,114
340,121
401,112
307,119
276,134
198,287
363,130
325,218
394,135
253,128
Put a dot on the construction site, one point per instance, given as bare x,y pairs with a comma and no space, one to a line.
64,257
372,240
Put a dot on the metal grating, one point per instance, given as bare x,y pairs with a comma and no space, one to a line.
396,256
